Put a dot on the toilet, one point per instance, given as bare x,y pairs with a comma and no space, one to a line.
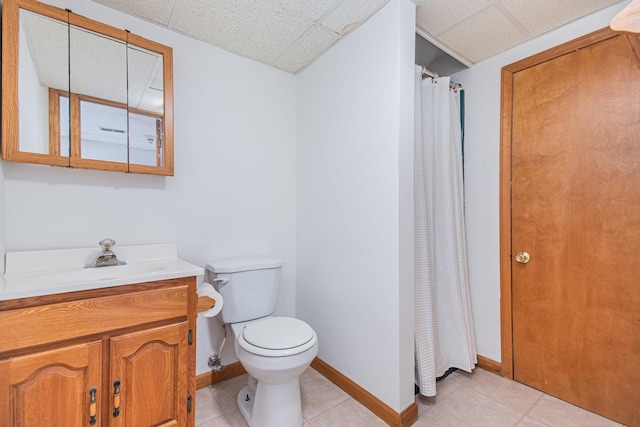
274,351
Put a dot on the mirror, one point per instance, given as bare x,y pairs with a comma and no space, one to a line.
43,64
98,82
83,94
146,107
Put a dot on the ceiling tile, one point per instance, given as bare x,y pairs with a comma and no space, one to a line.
541,16
482,35
308,47
435,16
157,10
351,13
260,30
312,9
288,34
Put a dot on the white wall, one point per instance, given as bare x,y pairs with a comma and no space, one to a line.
482,165
355,224
234,188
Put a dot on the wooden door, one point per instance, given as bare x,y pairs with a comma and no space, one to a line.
52,388
148,377
575,209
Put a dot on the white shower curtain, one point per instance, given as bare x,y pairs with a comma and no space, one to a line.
444,336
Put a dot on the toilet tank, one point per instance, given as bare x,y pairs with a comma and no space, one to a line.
249,286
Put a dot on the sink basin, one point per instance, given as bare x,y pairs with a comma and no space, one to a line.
98,273
35,273
129,273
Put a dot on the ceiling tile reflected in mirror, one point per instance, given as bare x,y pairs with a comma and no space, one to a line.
46,45
145,80
98,65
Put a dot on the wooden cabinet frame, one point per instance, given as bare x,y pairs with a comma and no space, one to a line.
10,120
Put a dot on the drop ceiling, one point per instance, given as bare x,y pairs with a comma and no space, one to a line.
291,34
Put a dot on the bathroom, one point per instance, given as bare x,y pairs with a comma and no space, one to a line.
257,172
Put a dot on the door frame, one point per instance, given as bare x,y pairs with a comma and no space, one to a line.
506,114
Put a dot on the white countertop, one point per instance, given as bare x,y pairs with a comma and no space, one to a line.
36,273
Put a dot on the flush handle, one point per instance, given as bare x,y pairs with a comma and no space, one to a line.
221,281
523,257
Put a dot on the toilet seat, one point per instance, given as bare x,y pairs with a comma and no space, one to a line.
277,336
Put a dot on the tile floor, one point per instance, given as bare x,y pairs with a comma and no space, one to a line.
479,399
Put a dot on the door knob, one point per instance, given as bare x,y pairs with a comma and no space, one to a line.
523,257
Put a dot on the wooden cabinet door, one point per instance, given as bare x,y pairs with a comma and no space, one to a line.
149,372
52,388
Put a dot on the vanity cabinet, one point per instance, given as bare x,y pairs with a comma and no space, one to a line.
119,356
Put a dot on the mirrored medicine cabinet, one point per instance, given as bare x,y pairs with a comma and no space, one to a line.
82,94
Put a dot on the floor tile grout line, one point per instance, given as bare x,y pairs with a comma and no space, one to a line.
533,406
482,395
531,409
445,409
576,407
464,424
455,416
478,372
542,394
326,410
460,384
208,388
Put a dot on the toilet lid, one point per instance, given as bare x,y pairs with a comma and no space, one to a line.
278,333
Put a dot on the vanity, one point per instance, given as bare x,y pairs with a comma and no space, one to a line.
106,346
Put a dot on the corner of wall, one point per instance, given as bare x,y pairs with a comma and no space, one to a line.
3,220
406,46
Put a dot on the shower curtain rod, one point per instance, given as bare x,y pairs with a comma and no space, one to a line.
426,72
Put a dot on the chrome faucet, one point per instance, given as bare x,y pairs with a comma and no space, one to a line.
106,257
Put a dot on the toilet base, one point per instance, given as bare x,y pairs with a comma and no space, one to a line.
245,404
274,405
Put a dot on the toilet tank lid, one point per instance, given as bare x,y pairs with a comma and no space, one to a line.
236,265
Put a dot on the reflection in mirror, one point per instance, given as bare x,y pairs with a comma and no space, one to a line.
59,128
103,131
145,139
146,107
42,64
99,96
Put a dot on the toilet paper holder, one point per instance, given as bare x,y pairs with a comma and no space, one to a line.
209,300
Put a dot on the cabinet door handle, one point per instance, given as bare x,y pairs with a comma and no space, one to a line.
92,406
116,398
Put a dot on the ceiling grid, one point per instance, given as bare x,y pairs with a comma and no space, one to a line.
291,34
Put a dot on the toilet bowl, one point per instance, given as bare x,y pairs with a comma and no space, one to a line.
274,351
